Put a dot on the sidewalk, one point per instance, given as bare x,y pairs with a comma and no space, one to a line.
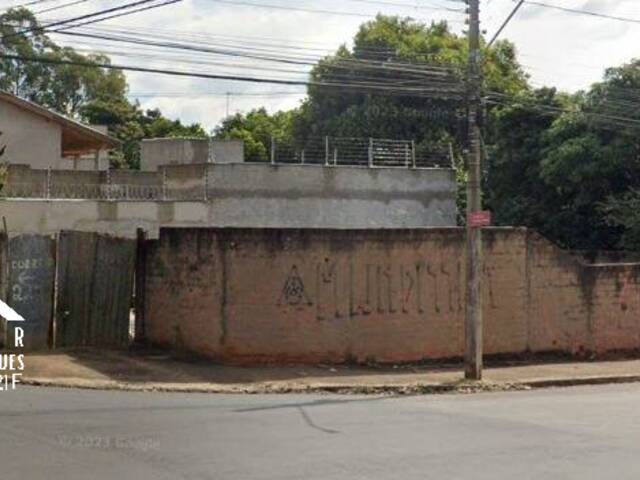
158,372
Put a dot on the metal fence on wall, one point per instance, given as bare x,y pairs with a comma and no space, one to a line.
362,152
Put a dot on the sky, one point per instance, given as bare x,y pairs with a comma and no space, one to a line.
556,48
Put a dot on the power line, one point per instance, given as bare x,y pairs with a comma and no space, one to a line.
116,15
257,43
304,9
269,55
27,4
79,18
215,94
406,5
297,9
505,23
503,99
58,7
439,92
582,12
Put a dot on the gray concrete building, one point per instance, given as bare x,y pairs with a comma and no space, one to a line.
182,186
236,195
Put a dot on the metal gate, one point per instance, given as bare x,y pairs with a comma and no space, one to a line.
30,273
95,283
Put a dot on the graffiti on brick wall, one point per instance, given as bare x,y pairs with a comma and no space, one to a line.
337,289
293,292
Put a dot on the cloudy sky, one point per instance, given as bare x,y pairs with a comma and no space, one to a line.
557,48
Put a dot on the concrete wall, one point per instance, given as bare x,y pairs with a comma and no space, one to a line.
244,195
227,151
30,139
172,151
156,152
391,296
117,218
309,196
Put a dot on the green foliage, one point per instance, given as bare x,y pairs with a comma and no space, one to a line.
90,94
623,214
356,113
428,121
257,128
572,175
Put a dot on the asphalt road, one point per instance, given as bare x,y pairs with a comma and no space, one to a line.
587,432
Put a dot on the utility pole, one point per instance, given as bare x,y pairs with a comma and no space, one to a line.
473,315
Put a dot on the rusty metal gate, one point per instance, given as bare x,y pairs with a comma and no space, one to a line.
95,284
30,272
87,278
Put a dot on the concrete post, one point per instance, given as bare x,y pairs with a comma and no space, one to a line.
109,183
370,152
413,153
406,155
273,151
451,156
48,184
205,183
473,317
326,150
164,184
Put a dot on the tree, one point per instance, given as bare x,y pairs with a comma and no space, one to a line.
429,121
514,188
257,128
570,170
353,112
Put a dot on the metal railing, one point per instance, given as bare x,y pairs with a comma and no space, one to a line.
364,152
84,192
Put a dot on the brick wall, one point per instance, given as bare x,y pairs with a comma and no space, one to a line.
391,296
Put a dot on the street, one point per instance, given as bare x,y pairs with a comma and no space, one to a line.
584,432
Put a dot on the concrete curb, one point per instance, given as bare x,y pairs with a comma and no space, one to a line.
461,387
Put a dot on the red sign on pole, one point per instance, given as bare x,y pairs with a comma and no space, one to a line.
480,219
